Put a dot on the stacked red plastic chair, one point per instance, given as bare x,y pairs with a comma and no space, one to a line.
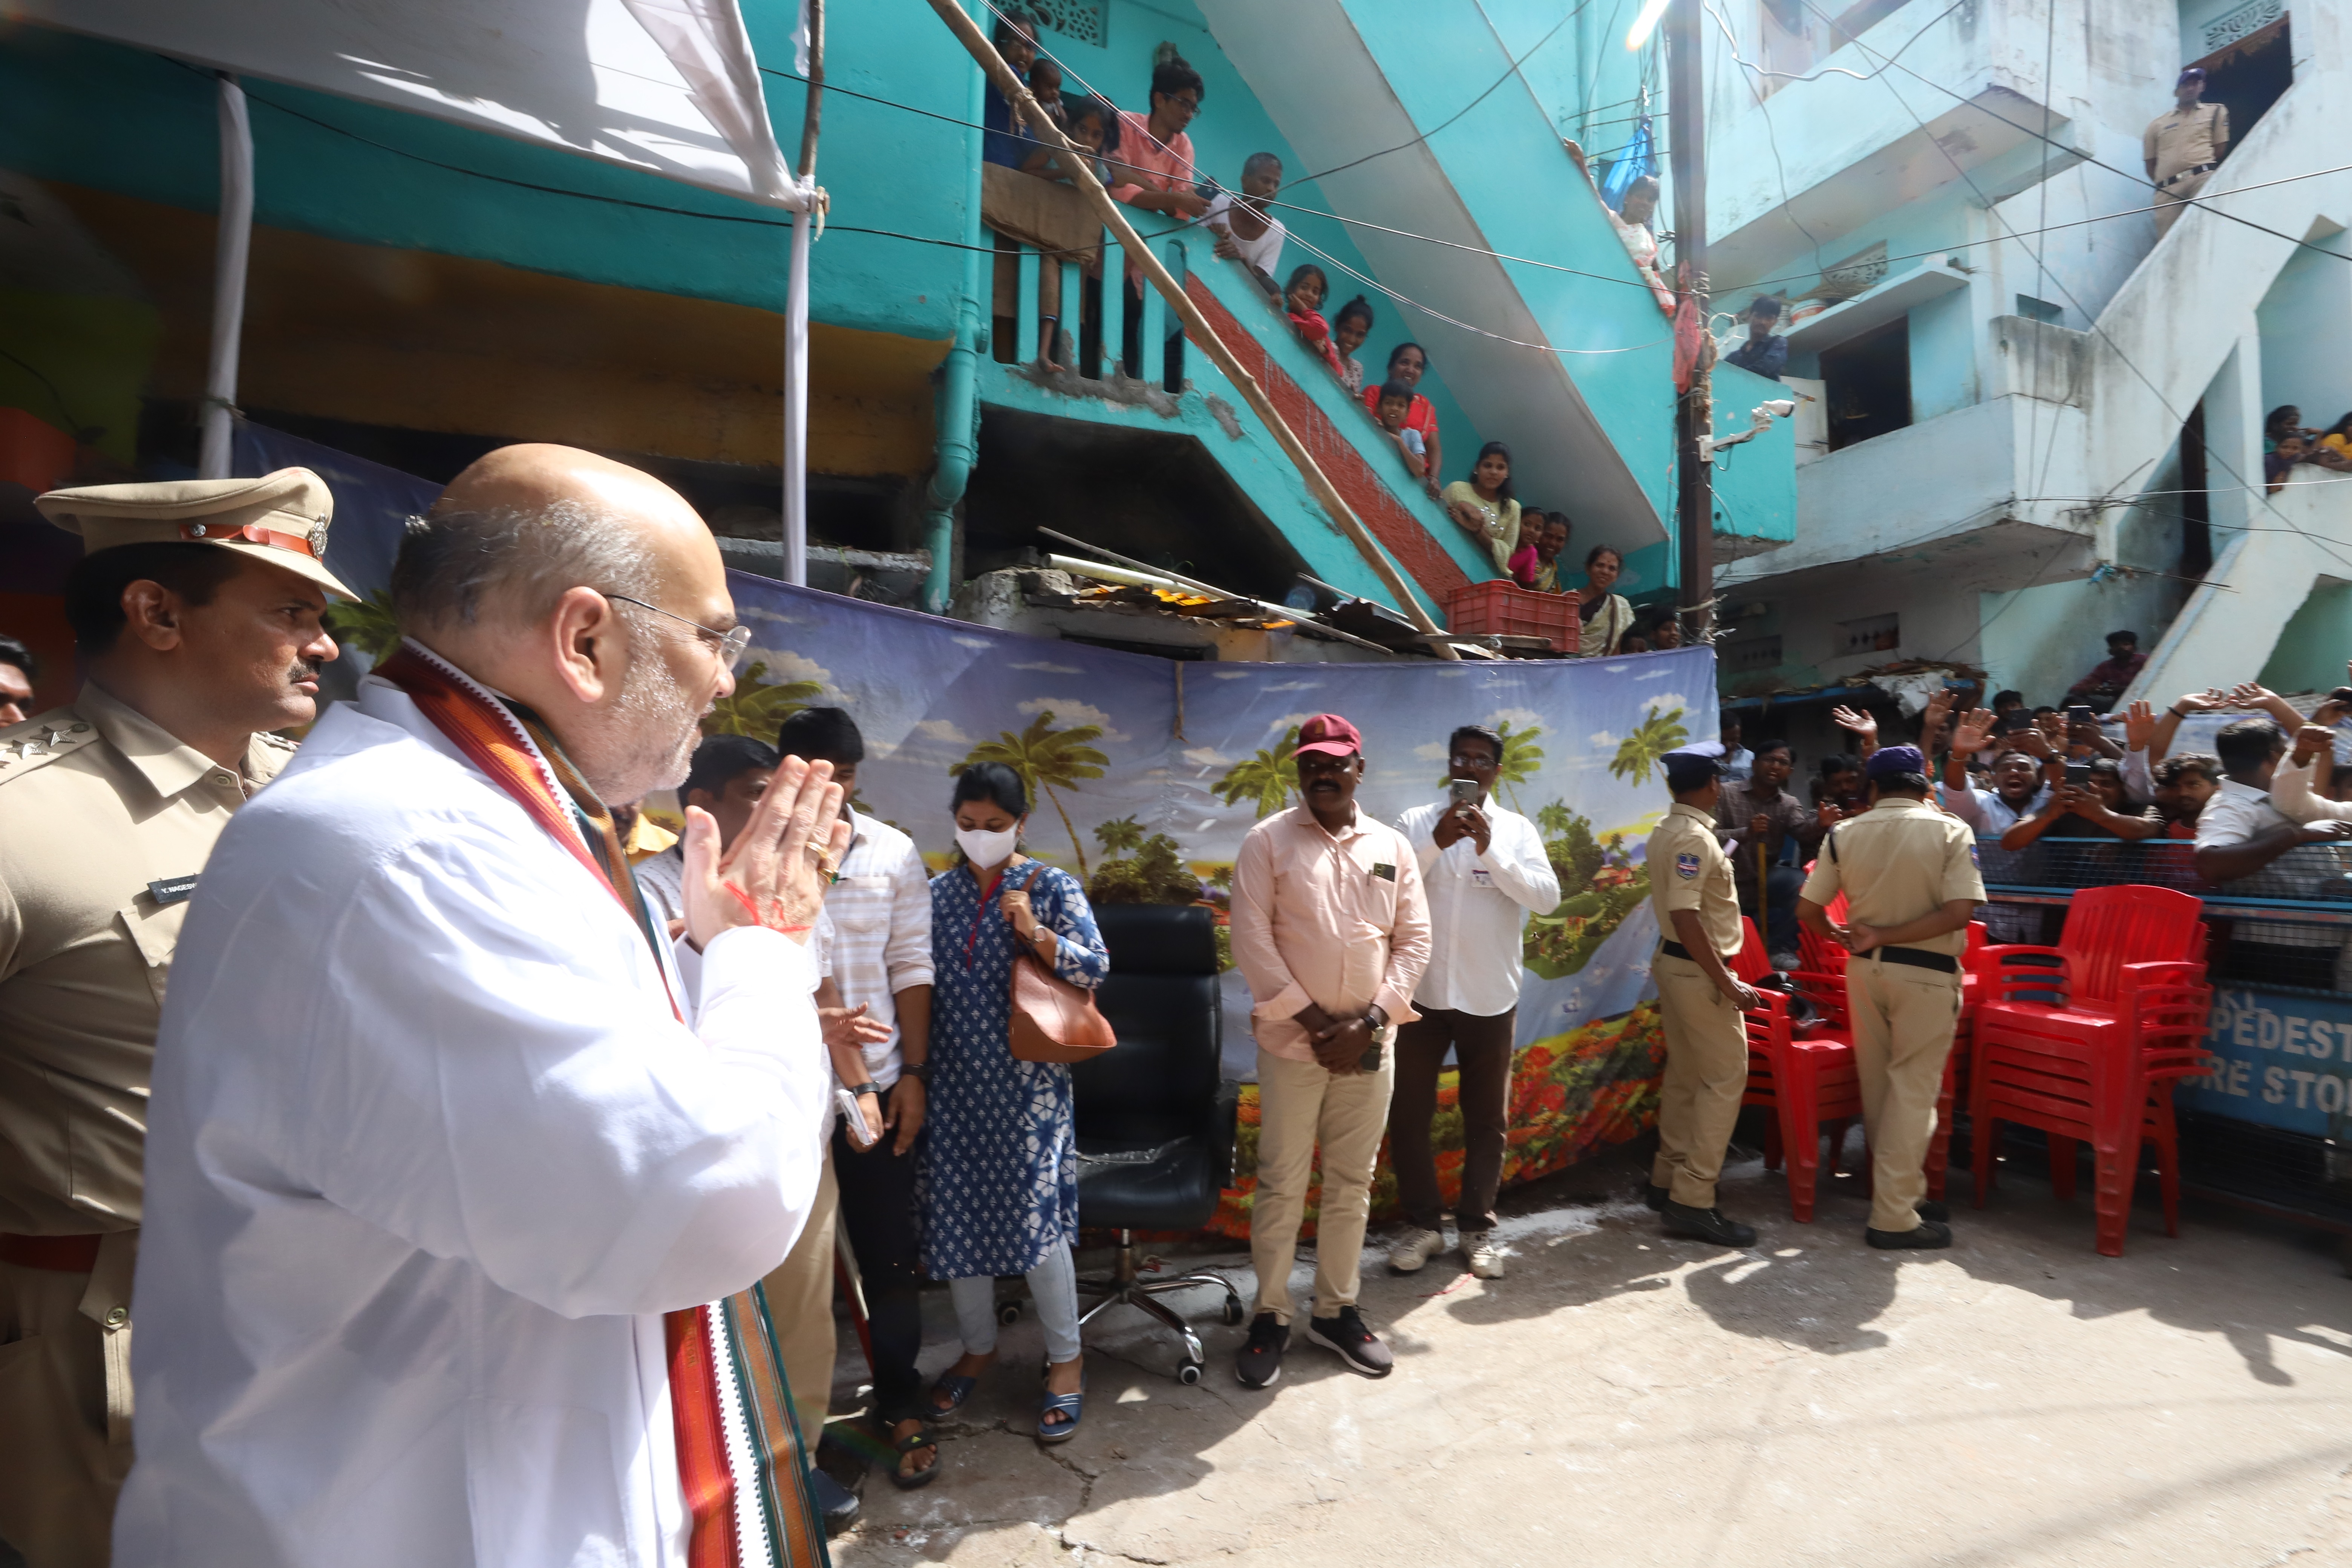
1807,1081
2085,1039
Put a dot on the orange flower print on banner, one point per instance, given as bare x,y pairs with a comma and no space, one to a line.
1572,1095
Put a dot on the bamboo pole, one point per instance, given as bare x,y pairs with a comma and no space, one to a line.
1016,92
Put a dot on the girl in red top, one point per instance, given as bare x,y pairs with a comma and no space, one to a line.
1303,297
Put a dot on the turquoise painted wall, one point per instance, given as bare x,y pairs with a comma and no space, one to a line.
2302,322
2311,645
1527,200
95,114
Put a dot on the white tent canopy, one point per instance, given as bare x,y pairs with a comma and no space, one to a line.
666,86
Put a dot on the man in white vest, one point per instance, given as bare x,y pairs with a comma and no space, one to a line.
457,1167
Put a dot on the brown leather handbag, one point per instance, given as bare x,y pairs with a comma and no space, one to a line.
1052,1020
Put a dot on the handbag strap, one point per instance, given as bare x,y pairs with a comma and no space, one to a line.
988,896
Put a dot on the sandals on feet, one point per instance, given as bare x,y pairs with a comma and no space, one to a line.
913,1442
957,1389
1073,1406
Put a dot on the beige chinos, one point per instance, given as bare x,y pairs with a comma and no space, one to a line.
800,1303
1897,862
1302,1106
1707,1042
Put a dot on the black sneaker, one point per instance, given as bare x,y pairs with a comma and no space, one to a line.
1260,1361
1706,1225
1654,1195
835,1503
1932,1208
1354,1343
1930,1234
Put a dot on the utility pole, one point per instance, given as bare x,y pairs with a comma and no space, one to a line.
1694,411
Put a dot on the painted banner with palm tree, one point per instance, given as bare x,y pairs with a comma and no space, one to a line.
1141,809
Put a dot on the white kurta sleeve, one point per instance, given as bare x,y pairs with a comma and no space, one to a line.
499,1076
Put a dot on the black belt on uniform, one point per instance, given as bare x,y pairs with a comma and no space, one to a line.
1676,949
1918,959
2187,173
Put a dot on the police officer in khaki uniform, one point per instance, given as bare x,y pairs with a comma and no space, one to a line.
1706,1041
1909,875
195,610
2182,149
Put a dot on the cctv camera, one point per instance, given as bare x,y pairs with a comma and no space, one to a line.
1783,407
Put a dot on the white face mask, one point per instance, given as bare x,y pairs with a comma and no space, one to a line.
987,848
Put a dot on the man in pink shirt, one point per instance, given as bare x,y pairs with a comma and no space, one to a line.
1330,929
1152,172
1153,167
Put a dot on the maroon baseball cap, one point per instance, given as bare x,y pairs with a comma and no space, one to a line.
1329,734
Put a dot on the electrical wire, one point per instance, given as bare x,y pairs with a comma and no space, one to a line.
2096,326
1773,140
1457,244
2076,153
1833,70
1440,315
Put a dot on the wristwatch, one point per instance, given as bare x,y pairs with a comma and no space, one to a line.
859,1091
920,1071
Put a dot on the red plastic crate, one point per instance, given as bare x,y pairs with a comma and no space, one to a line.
1501,608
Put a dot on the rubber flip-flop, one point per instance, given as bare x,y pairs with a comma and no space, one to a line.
911,1443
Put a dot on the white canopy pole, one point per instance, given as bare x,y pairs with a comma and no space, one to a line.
232,244
810,59
796,299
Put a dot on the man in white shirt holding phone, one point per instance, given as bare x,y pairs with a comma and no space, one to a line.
1486,870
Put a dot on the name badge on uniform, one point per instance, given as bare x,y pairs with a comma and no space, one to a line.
1481,876
1973,855
1383,870
172,889
1687,867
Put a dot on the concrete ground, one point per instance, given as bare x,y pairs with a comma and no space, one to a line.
1623,1399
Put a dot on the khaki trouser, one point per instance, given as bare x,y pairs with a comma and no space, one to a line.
1707,1073
800,1303
2172,200
1300,1105
65,1413
1902,1019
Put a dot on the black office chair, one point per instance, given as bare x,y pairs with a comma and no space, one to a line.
1155,1124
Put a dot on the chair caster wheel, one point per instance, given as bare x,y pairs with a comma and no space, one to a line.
1189,1373
1009,1313
1235,1314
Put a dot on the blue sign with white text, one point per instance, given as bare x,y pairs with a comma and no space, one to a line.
2284,1061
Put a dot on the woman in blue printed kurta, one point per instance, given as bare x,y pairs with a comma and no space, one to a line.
999,1191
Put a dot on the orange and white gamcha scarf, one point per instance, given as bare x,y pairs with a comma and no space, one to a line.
739,1459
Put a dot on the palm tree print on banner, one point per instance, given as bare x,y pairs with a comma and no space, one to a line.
1044,757
367,625
1122,835
1638,753
755,708
1269,779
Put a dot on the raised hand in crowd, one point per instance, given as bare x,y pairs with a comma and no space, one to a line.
2254,694
1975,731
1864,728
1936,719
2312,741
1828,814
2139,726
